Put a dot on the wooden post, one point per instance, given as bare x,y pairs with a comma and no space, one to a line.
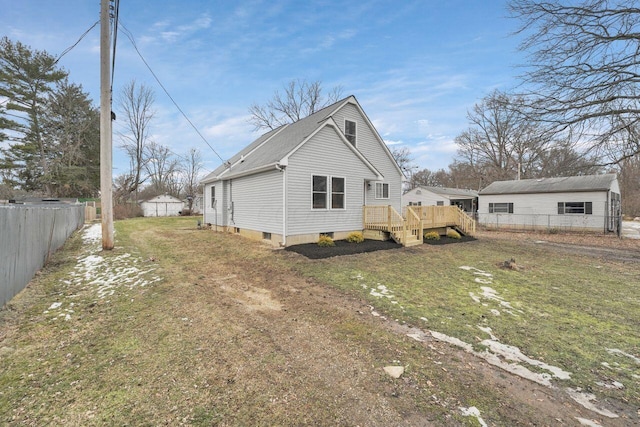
106,154
389,218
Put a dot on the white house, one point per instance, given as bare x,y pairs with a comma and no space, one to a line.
589,202
441,196
305,179
163,205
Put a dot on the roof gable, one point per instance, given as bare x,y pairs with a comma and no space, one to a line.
273,148
450,192
567,184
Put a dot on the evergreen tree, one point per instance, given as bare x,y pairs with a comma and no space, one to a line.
27,77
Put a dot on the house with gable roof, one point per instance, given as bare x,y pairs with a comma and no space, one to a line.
305,179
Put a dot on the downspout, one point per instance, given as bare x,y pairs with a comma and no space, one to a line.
284,204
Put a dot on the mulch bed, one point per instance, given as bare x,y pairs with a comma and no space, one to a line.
342,247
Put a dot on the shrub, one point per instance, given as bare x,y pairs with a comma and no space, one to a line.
325,241
431,235
453,234
355,237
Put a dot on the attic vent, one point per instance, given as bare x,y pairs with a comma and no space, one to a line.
242,158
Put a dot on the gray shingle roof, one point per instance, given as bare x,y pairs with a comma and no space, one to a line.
274,145
452,192
567,184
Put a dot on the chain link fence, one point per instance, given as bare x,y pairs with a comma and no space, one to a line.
550,223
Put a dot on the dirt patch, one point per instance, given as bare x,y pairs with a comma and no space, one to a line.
342,247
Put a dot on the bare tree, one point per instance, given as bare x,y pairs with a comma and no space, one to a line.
584,69
136,103
501,141
299,100
191,176
162,168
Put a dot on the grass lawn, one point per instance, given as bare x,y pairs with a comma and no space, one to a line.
572,311
178,326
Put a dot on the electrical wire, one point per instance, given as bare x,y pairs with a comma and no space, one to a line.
133,43
115,41
67,50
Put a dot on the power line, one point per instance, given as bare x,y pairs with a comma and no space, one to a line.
133,43
115,41
67,50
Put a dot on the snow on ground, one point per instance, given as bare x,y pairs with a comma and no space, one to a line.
102,276
473,412
510,358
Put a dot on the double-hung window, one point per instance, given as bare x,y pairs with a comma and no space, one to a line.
213,196
319,192
337,193
583,208
350,131
328,192
500,207
382,190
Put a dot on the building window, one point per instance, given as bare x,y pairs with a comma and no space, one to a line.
337,193
415,203
581,208
500,207
350,131
266,236
324,186
213,196
319,192
382,190
439,203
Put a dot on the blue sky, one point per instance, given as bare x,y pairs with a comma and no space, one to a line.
416,67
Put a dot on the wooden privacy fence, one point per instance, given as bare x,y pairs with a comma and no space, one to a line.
29,234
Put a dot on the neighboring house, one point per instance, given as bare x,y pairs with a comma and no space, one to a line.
467,200
305,179
163,205
589,202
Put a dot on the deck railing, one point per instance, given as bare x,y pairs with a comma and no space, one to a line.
386,218
407,228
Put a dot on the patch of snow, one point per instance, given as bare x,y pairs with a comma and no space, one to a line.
483,281
585,399
55,305
615,351
588,423
495,312
474,297
92,233
473,412
488,331
510,352
613,385
394,371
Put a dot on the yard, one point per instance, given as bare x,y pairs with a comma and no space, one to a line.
180,326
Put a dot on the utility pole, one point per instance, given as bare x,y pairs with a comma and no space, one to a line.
106,151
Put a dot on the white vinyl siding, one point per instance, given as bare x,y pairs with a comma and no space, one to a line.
425,197
325,155
541,210
257,202
370,146
212,213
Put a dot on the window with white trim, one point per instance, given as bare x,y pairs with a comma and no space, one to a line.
328,192
337,193
382,190
350,131
581,208
213,196
500,207
319,192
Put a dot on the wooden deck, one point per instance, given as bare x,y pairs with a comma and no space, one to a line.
408,228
